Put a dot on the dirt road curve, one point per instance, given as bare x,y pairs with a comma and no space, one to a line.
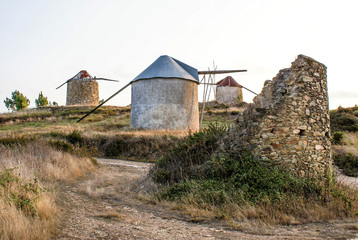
102,207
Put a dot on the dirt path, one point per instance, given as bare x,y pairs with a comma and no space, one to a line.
103,207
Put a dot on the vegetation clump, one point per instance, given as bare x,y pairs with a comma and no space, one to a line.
337,138
196,172
344,119
23,195
17,101
346,161
42,101
27,173
185,160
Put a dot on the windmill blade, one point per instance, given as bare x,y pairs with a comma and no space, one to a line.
120,90
105,79
63,83
220,71
248,90
66,82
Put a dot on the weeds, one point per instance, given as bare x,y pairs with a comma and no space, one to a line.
337,138
344,119
28,209
348,162
186,158
195,174
14,141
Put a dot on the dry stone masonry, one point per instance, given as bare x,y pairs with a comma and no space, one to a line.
82,92
288,122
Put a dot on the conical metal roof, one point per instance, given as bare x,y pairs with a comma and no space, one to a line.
168,67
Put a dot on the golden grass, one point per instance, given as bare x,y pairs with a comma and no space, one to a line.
350,143
35,160
38,159
249,217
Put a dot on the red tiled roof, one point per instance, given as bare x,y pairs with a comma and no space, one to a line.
228,81
83,74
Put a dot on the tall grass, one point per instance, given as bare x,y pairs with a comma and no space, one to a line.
197,175
27,172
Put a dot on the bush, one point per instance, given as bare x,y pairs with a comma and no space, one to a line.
62,146
17,102
197,174
337,138
14,141
343,120
348,162
185,160
75,138
41,101
241,180
115,148
355,113
23,196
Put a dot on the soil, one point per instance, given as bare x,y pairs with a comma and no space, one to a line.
104,205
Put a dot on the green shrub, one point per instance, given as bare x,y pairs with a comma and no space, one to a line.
24,196
337,138
195,172
348,162
115,148
186,158
355,113
62,146
14,141
75,138
241,180
17,102
41,101
343,120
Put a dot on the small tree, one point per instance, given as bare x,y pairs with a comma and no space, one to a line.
41,101
17,102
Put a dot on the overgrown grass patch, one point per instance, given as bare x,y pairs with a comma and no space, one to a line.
27,173
196,173
348,162
344,119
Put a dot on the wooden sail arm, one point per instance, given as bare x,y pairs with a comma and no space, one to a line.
220,71
63,83
120,90
105,79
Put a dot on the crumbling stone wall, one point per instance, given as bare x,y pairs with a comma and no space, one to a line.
288,122
82,92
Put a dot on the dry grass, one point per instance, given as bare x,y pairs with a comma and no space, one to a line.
49,165
37,217
350,143
251,218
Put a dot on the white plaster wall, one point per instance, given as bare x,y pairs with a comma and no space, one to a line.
165,104
228,94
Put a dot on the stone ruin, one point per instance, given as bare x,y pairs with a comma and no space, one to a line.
288,122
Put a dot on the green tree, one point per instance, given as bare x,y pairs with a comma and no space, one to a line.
17,102
41,101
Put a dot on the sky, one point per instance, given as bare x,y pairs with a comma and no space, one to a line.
43,43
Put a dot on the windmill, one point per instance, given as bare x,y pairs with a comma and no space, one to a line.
82,89
160,97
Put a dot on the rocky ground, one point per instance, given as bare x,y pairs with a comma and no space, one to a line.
103,206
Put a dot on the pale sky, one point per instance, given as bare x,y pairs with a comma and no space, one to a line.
44,43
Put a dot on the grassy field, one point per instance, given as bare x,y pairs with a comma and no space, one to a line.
105,133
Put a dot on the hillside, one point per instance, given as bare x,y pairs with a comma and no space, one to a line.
105,133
